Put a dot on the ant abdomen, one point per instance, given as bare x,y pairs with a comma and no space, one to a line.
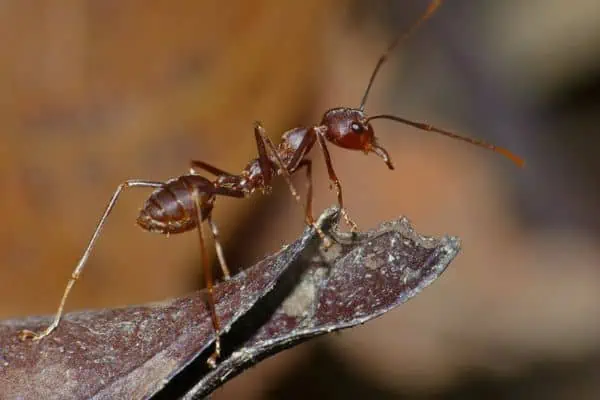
171,208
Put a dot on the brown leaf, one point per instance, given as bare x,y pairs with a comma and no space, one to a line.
160,350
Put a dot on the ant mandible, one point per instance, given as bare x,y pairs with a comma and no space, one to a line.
183,203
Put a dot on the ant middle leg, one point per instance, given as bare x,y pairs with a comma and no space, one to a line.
207,274
263,141
309,192
219,248
334,179
26,334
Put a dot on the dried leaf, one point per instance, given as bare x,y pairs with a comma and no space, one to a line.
160,350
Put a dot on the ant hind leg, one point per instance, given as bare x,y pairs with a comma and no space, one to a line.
27,334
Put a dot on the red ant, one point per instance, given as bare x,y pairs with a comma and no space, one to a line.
181,204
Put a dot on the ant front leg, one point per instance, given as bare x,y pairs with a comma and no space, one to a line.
334,179
26,334
264,142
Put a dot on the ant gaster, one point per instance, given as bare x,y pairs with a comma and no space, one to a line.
182,204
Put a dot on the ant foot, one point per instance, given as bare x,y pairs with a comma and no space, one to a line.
324,238
26,334
212,360
226,275
326,242
350,222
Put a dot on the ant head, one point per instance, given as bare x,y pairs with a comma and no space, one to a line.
350,128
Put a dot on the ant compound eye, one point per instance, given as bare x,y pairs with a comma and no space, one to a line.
357,128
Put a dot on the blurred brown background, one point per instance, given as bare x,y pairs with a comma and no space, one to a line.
96,92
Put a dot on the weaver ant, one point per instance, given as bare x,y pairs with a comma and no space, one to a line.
183,203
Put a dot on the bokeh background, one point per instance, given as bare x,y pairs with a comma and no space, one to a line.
96,92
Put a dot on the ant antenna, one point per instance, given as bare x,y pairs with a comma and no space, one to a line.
501,150
430,10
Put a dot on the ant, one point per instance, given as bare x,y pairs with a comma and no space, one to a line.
181,204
